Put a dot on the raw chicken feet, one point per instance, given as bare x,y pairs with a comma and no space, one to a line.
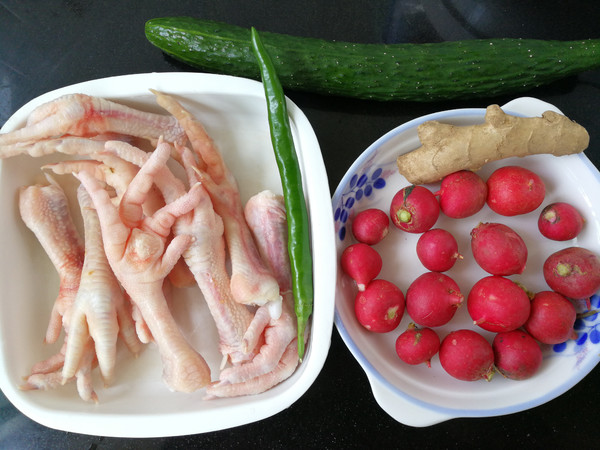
141,259
278,356
206,255
99,312
45,211
251,281
143,224
86,116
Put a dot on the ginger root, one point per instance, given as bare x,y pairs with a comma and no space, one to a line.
448,148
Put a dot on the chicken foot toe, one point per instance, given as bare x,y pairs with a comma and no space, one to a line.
277,357
141,259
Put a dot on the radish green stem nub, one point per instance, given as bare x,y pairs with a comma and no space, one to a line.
563,270
404,216
392,312
550,216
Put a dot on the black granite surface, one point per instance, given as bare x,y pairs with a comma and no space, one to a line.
49,44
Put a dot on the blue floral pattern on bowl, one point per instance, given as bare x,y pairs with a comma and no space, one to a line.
363,184
587,327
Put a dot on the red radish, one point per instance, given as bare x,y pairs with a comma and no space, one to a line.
467,356
417,345
498,249
552,318
370,226
498,304
514,190
462,194
362,262
437,250
573,272
414,209
432,299
516,354
380,307
560,221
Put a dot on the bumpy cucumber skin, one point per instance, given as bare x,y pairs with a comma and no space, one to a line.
412,72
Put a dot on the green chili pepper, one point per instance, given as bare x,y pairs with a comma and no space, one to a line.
293,194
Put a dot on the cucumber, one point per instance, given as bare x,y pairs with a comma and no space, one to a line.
414,72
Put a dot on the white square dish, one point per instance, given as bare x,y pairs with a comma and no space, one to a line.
139,404
422,396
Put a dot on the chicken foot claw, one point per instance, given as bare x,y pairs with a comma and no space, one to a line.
206,256
45,211
83,289
251,281
277,357
141,259
86,116
99,311
206,259
284,368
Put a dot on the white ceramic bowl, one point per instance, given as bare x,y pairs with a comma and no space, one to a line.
421,396
139,404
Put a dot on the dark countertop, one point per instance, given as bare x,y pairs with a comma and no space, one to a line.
50,44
